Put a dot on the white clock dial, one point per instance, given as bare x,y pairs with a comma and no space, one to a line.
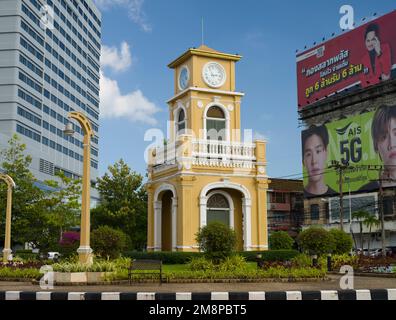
214,74
184,77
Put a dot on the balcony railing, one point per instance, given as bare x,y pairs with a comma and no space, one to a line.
208,153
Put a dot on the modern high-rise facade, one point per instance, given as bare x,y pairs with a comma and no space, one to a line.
49,66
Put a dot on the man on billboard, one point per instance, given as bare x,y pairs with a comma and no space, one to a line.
314,149
383,131
377,60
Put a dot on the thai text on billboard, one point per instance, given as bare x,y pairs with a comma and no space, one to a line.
357,59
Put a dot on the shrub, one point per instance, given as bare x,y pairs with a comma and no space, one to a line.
217,241
233,264
316,241
339,260
342,241
280,240
108,242
69,243
200,264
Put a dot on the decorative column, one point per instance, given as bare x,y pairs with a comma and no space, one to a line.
202,211
174,223
157,225
247,224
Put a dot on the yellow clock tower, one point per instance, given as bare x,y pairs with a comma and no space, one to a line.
205,172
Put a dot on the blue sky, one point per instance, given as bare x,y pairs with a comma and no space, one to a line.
140,38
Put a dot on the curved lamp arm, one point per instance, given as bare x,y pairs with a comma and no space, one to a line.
83,121
8,180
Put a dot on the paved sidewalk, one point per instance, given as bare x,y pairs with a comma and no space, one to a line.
332,284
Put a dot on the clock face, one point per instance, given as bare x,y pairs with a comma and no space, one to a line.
184,77
214,74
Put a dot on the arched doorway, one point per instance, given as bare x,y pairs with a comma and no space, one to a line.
213,204
165,211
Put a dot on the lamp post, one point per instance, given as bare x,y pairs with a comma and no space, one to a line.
84,251
7,241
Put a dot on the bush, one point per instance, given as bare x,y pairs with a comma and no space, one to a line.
316,241
108,242
200,264
280,240
69,244
342,241
26,255
164,256
217,241
230,264
337,261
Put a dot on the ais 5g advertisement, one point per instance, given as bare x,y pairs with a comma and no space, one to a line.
362,57
361,142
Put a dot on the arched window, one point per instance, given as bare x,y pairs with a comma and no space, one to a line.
215,124
181,122
218,209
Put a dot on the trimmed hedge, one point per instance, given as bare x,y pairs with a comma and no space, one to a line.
166,257
185,257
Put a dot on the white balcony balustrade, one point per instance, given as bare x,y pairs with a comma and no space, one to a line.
210,153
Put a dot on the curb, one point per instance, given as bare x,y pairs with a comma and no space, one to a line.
374,294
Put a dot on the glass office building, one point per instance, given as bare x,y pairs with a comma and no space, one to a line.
49,66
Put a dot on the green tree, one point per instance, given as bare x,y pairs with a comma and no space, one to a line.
316,241
280,240
217,241
360,216
38,216
28,217
62,203
342,241
369,222
108,242
123,204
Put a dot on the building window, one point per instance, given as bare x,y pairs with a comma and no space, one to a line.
181,122
278,197
314,212
215,124
218,209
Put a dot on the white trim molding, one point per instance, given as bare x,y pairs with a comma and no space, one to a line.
246,208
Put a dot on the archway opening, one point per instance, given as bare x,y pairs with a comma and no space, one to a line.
166,221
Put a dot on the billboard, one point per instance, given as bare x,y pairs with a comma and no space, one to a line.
365,142
362,57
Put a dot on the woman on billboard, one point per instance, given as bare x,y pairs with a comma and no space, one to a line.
383,131
377,60
314,149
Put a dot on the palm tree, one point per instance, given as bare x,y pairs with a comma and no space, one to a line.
361,216
369,222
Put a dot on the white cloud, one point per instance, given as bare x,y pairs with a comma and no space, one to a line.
259,136
118,60
134,7
134,105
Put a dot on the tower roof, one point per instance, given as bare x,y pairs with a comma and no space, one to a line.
205,52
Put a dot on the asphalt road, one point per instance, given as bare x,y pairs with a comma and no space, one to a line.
332,284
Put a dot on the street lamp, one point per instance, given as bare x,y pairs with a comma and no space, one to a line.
7,241
84,251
